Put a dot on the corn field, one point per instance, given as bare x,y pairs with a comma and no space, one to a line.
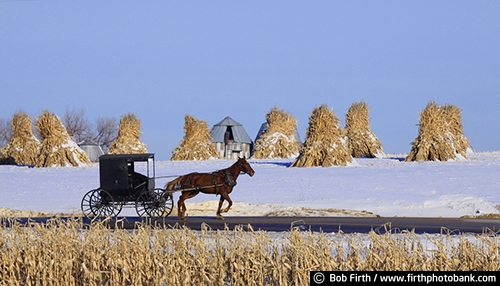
70,253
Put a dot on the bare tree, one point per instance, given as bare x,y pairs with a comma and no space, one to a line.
77,125
107,131
5,131
104,133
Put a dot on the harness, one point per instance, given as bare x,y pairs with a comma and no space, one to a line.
228,180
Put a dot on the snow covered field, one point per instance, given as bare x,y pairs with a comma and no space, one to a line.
382,186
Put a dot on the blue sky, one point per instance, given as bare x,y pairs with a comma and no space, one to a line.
162,60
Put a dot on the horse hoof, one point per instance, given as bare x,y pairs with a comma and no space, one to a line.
220,217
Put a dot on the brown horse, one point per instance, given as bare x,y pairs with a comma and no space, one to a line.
220,182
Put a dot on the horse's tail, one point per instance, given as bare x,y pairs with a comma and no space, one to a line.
174,184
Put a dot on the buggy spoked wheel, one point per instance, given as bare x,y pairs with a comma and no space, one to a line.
154,204
88,204
99,203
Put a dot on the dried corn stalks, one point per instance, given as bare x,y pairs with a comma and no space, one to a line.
324,145
279,140
128,140
454,119
62,253
197,143
24,147
57,147
440,136
360,139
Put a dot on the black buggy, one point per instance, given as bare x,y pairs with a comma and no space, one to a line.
127,180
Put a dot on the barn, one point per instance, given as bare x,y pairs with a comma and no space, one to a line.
231,139
93,150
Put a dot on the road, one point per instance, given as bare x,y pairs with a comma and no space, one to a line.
344,224
325,224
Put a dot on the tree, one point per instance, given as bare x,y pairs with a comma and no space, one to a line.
106,128
77,125
5,131
104,132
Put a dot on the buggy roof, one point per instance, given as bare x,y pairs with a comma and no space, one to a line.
127,157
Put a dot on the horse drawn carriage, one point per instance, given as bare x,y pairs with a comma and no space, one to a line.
121,185
127,180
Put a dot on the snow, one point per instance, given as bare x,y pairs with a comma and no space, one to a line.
385,186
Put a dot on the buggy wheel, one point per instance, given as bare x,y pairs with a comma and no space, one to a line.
99,203
88,204
157,203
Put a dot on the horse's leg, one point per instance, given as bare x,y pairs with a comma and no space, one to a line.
229,201
221,201
224,196
181,206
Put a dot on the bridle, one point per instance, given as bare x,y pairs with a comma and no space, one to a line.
242,167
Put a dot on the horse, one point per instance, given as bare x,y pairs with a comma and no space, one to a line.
220,182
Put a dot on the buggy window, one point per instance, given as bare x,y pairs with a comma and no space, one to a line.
143,167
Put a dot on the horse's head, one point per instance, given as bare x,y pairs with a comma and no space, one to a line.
245,166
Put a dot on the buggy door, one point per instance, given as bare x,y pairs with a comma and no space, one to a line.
143,174
113,174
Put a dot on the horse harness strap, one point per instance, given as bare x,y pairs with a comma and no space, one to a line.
228,180
189,184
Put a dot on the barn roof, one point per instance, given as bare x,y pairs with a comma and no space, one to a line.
239,133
